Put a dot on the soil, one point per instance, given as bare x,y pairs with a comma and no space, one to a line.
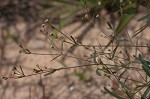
76,83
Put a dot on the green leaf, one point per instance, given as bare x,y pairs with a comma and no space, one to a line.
143,18
148,62
124,86
145,66
97,71
112,94
145,93
126,17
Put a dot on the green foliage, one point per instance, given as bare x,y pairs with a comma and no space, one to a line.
127,15
112,94
145,65
144,96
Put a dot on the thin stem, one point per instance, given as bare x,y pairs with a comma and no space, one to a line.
43,54
59,31
45,71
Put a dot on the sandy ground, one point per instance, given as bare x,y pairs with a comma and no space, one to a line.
63,84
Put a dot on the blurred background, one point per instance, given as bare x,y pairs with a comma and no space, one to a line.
21,22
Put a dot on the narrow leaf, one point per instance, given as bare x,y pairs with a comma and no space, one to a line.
112,94
143,18
145,93
126,17
140,30
97,71
145,66
122,84
126,91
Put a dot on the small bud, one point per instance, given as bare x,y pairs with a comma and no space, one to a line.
20,45
46,20
42,25
97,16
71,88
51,46
51,34
86,16
99,2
